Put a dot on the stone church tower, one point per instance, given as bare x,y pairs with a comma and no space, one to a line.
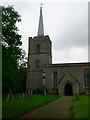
39,54
67,78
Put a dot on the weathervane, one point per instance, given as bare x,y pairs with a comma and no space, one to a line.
41,5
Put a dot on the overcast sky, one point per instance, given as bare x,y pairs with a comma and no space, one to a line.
66,23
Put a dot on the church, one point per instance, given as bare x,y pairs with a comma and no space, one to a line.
67,78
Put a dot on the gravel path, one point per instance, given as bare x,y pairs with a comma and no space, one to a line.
60,108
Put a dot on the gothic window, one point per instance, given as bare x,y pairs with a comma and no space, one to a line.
38,48
87,77
37,64
55,79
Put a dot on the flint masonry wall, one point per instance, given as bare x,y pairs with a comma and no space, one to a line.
76,69
44,56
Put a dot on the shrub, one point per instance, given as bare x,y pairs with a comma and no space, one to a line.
39,91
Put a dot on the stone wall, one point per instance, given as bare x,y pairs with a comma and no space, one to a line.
34,80
75,69
44,56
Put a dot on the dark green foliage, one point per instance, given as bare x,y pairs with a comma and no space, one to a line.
13,75
39,91
9,29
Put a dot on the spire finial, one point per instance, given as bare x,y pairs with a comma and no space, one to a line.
40,27
41,5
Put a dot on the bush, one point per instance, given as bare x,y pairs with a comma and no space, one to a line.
39,91
52,93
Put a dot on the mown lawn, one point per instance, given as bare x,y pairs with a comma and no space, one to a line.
18,107
80,107
0,106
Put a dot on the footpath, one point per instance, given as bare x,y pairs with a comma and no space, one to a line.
60,108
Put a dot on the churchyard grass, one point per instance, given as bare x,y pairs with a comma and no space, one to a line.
18,107
80,106
0,106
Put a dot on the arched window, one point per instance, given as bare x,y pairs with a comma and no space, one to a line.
37,64
87,77
38,48
55,79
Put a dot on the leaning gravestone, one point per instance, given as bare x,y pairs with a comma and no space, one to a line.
12,97
20,96
29,92
23,95
44,92
8,97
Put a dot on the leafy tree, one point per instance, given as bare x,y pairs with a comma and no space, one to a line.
12,54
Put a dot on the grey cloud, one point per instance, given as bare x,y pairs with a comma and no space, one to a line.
66,24
74,37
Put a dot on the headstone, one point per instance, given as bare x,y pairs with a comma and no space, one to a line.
8,97
29,92
12,96
44,92
23,95
19,95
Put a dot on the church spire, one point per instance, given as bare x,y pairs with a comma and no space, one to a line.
40,27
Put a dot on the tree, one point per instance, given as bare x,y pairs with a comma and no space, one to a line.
12,54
